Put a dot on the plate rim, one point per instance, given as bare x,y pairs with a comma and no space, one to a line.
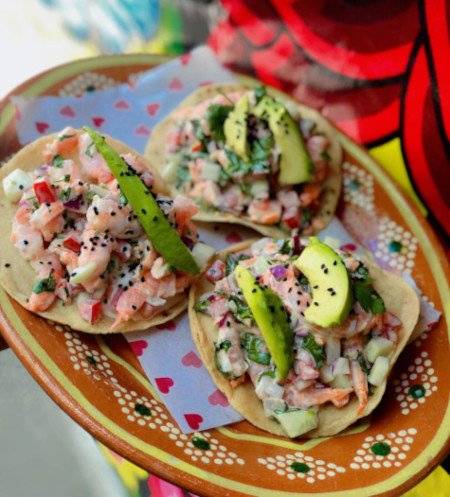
410,214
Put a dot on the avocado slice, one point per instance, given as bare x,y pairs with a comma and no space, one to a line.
295,163
330,284
296,422
271,318
235,128
159,231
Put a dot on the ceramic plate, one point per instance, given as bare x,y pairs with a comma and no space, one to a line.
99,382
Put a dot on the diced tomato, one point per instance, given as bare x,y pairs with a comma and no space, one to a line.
216,272
90,310
197,147
44,191
291,218
72,244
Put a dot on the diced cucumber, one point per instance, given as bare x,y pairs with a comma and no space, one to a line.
341,366
260,189
98,190
341,381
273,404
202,253
16,183
211,171
378,346
296,422
261,265
83,273
326,373
169,172
379,371
223,362
332,350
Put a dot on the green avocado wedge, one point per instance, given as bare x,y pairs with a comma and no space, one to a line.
295,162
271,318
330,284
158,229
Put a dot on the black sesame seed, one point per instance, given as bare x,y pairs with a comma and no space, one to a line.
316,287
322,266
20,187
316,304
25,242
325,271
142,280
143,211
7,264
96,211
334,263
133,307
113,213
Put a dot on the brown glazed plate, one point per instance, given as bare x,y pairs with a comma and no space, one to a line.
99,382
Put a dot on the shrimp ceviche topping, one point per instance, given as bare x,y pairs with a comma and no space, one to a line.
245,154
304,324
85,242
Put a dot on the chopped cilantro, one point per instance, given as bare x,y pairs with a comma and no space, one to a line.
368,298
362,362
315,349
45,285
260,92
202,305
65,194
240,309
225,345
183,175
216,115
57,161
232,262
252,344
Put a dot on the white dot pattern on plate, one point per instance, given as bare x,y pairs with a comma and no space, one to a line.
202,447
416,385
297,465
91,362
358,187
384,451
396,247
85,82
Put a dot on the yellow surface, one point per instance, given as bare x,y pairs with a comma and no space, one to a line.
389,155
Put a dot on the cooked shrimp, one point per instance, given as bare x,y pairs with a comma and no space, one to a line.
265,211
310,193
68,172
48,219
64,144
105,214
27,239
92,161
96,248
316,396
47,266
207,191
359,380
128,304
181,213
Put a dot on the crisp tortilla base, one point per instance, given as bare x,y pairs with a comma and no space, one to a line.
19,278
155,153
399,298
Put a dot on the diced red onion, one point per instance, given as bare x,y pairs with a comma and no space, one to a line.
297,244
278,272
116,297
224,319
392,335
42,170
188,242
73,204
391,320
